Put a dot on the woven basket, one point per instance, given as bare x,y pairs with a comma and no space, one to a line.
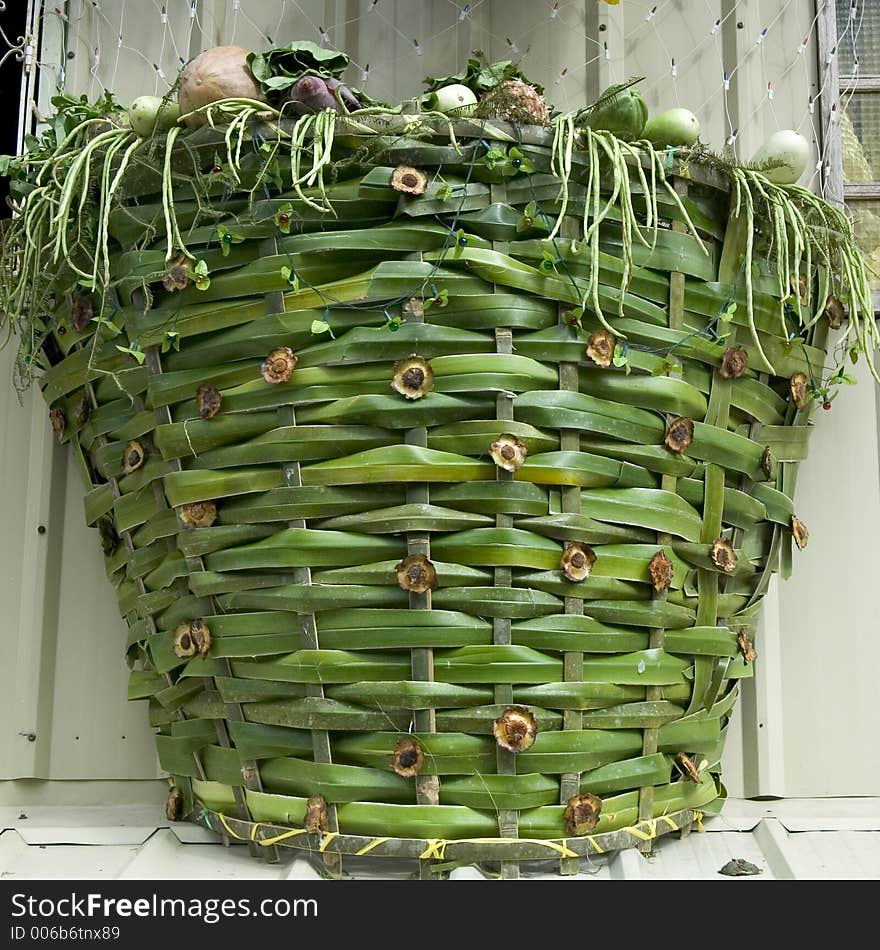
601,535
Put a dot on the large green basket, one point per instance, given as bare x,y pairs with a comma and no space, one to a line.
310,689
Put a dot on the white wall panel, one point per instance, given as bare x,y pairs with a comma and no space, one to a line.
807,721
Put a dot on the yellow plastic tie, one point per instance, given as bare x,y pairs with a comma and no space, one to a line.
227,826
669,822
595,844
562,847
254,828
436,849
367,848
637,832
283,837
698,818
328,837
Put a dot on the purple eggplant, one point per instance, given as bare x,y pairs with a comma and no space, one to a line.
347,96
314,94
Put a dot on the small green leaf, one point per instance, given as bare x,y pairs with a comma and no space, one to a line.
283,217
227,239
171,341
200,275
320,326
133,350
619,357
549,260
494,156
727,312
290,276
574,316
441,299
444,192
516,163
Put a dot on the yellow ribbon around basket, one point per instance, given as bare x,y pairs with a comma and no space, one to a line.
367,848
265,842
436,847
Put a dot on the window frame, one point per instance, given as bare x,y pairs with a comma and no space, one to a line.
836,190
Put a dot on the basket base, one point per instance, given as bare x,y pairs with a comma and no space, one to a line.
442,853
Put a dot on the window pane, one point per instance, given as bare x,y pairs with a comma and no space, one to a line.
858,38
866,222
860,137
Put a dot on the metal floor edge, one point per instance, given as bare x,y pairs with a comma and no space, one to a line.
787,839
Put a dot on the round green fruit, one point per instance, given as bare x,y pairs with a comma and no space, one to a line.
625,116
150,114
674,127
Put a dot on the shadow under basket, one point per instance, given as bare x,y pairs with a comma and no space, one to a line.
418,558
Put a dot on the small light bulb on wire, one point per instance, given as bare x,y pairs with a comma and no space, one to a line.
726,82
734,135
464,12
716,26
163,15
512,46
674,69
561,77
761,36
770,91
365,74
554,11
417,47
650,14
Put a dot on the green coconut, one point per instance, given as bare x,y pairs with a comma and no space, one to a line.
624,114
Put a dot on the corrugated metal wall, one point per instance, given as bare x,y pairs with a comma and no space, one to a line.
809,715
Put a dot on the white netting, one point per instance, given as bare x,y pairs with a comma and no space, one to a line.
745,69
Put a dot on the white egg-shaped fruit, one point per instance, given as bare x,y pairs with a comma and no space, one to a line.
785,156
456,96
